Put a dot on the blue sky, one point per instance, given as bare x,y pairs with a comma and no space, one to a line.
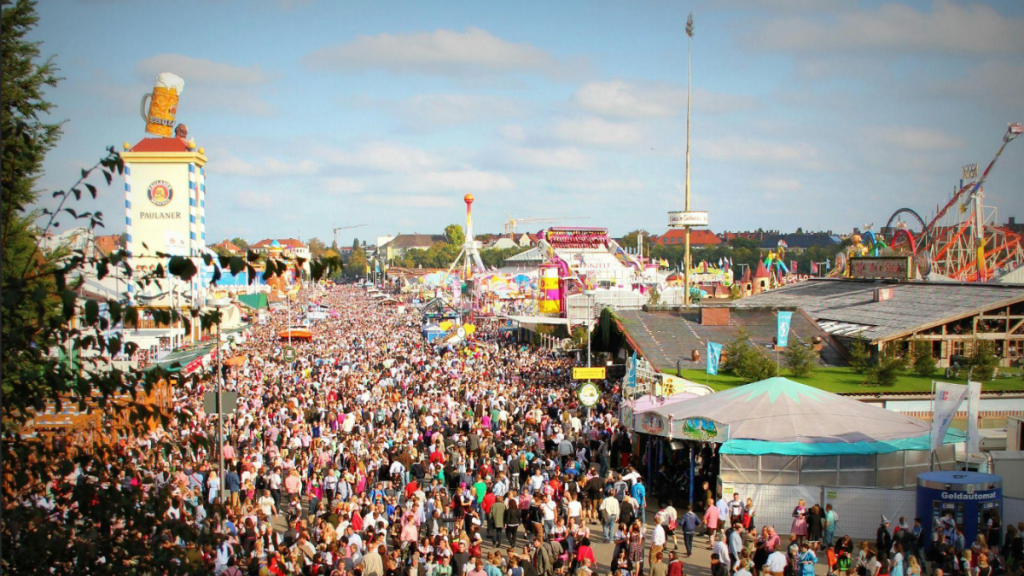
823,114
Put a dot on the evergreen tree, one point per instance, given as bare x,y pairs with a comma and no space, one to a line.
860,359
800,358
922,362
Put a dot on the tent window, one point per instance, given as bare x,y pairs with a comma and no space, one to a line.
820,463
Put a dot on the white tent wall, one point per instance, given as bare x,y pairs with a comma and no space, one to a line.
773,504
860,509
1013,510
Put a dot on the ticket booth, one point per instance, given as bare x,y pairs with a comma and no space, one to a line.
965,500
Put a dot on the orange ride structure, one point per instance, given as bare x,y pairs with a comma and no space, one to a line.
964,240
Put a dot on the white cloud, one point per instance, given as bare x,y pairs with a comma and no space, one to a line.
442,110
458,180
765,152
948,27
512,133
620,99
255,201
229,165
412,200
442,52
919,139
1001,83
781,184
560,158
211,86
382,157
613,185
624,100
343,186
596,132
201,71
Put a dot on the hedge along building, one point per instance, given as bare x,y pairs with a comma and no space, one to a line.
952,317
778,441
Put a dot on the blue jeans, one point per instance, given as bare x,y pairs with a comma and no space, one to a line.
642,512
609,527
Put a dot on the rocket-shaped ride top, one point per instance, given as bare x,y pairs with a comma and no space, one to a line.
471,248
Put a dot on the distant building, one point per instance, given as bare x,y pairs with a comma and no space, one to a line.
229,247
677,237
950,316
290,248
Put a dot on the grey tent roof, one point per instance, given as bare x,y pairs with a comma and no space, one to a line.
779,413
913,306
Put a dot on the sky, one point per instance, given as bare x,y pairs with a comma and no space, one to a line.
316,114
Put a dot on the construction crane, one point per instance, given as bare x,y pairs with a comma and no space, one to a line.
344,228
511,223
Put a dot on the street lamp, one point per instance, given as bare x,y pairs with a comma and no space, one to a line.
590,321
219,304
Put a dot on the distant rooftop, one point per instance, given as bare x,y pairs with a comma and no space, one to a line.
914,306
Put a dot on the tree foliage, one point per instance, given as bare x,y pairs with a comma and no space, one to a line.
860,358
887,369
800,357
983,360
746,361
921,360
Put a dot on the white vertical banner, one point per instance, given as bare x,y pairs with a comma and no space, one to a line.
973,401
948,398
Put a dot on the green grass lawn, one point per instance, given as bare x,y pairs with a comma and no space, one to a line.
845,381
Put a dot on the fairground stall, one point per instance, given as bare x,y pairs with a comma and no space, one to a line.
778,441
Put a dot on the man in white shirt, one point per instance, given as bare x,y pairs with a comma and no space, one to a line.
658,539
776,563
609,509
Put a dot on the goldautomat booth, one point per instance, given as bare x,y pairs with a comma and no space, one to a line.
967,500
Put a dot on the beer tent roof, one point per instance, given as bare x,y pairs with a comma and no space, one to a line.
780,416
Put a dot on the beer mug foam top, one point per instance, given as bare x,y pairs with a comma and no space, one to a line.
163,104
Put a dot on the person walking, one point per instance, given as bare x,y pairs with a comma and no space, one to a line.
609,510
711,522
689,523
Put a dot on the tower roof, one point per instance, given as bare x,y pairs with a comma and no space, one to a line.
762,272
161,145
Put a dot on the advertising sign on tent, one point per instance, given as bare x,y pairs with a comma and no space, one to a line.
782,328
973,400
701,429
948,398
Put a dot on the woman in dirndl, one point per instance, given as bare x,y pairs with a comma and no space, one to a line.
799,529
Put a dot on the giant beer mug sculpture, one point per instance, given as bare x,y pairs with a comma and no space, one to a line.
163,104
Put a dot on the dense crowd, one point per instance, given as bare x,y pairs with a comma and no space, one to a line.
376,453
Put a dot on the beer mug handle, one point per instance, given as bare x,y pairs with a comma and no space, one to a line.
144,110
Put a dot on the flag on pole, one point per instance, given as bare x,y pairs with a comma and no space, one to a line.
792,266
828,264
973,400
948,398
719,262
714,357
814,267
631,379
782,328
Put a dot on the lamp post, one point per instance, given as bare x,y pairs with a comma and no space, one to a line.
686,258
219,304
590,321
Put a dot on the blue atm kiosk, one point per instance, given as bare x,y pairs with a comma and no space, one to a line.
958,499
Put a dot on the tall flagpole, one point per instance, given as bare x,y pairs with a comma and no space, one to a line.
686,258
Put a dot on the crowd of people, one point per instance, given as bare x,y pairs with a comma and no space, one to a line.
376,453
